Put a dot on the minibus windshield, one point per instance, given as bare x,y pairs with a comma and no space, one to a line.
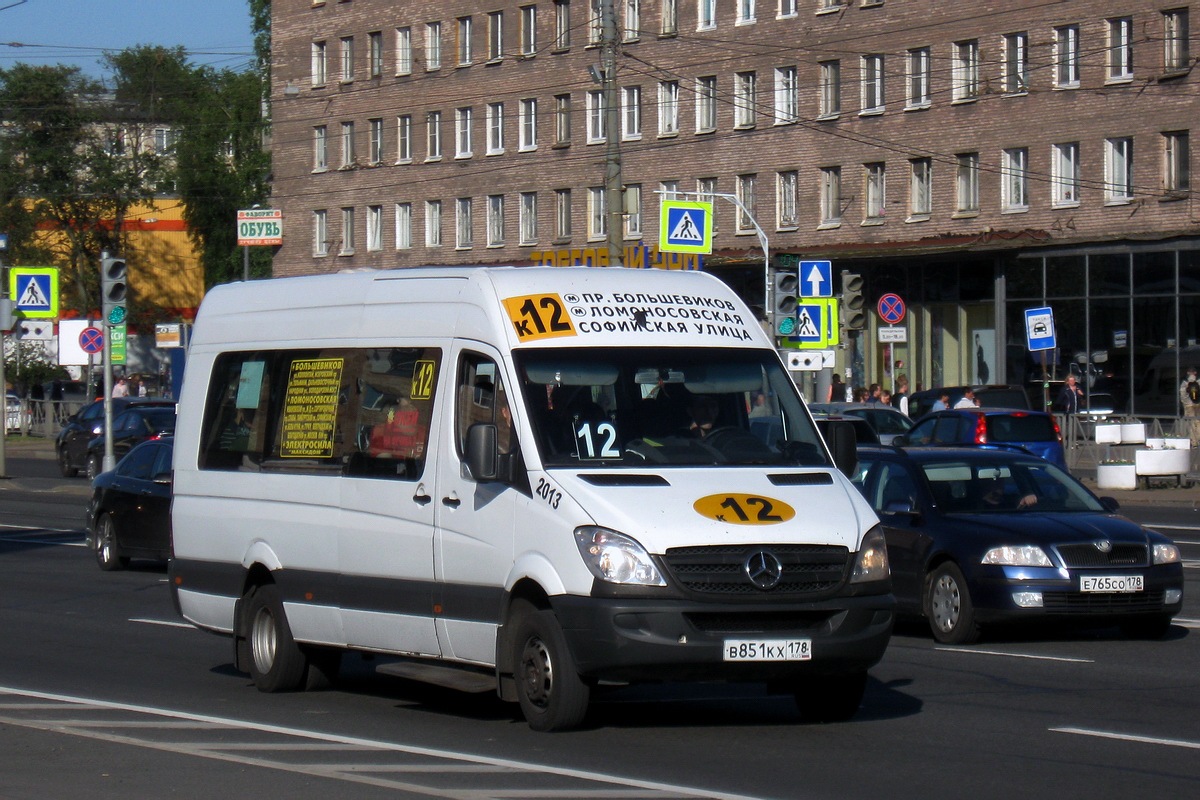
633,407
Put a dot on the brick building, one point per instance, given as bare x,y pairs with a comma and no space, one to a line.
976,160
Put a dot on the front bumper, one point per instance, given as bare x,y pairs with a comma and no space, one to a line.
995,588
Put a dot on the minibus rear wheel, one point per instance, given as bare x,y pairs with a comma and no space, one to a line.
276,662
552,695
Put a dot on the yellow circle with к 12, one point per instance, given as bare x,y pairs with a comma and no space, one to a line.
744,509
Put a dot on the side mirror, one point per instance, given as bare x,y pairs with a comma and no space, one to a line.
482,455
899,441
164,478
842,443
1110,504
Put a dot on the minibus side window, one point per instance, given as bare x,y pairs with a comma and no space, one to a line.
394,394
233,434
482,398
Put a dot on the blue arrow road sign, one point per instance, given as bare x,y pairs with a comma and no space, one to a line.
1039,328
816,279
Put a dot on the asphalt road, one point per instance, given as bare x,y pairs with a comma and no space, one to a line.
104,693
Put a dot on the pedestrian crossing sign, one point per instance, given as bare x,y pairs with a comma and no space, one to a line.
34,291
685,226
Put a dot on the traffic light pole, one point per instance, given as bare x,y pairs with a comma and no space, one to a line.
113,292
3,383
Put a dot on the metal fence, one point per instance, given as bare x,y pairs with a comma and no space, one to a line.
41,418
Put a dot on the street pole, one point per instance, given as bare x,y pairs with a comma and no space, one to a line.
110,460
246,263
613,201
4,299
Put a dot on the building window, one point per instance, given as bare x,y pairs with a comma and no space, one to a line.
347,43
964,77
706,191
1120,50
632,20
562,214
319,64
433,135
320,148
872,84
562,24
347,248
1014,179
1016,63
376,143
745,12
631,112
595,117
404,51
787,96
597,214
433,223
831,89
464,41
528,125
745,92
495,220
1176,54
403,226
375,54
706,104
462,132
670,190
633,211
669,12
786,213
1176,162
528,30
562,120
876,192
966,199
1118,170
787,8
1064,174
920,192
527,213
374,228
706,15
433,45
320,232
495,40
668,108
831,196
495,128
464,236
1066,57
746,191
349,157
918,79
404,144
595,22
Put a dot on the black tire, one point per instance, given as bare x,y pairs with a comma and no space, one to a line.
108,552
277,664
1147,627
64,464
948,606
552,695
833,698
94,467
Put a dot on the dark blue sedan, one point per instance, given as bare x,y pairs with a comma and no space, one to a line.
129,514
981,536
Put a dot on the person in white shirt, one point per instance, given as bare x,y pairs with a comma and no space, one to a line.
968,400
121,389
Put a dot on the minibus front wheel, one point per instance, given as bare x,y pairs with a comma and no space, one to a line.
552,695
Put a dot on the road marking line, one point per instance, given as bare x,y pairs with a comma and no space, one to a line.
165,622
1129,737
1016,655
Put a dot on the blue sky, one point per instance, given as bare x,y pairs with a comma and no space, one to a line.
77,32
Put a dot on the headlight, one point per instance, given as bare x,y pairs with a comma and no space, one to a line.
616,558
871,564
1165,554
1017,556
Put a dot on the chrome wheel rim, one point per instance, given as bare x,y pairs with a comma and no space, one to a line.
537,672
262,640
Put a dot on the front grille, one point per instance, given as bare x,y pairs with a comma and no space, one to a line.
1089,603
720,569
1087,555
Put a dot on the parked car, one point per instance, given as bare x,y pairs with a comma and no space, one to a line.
887,421
12,412
992,396
128,515
71,444
1036,432
134,425
977,537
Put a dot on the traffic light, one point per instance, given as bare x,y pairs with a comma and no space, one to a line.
784,287
853,310
113,290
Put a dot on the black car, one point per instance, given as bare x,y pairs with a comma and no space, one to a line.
992,396
979,536
128,515
134,425
79,429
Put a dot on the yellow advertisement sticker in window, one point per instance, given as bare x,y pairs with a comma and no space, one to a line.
310,408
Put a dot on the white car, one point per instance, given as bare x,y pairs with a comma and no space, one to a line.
12,412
